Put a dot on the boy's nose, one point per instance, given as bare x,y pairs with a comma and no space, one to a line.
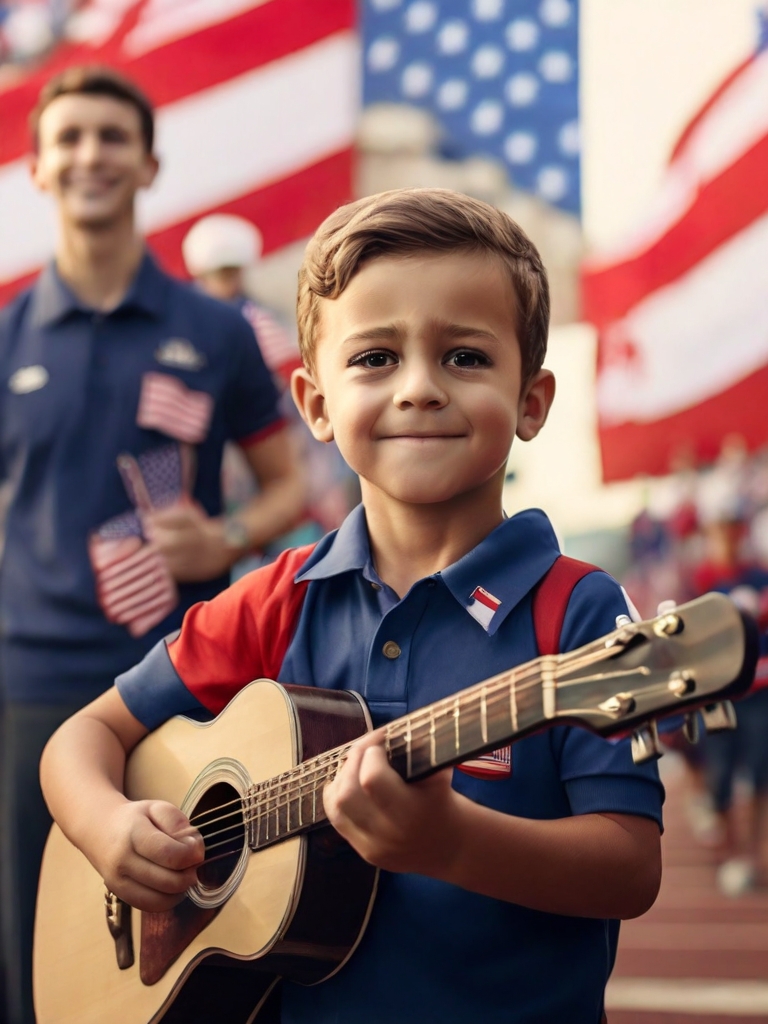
419,387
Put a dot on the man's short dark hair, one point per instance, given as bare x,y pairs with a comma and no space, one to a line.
95,80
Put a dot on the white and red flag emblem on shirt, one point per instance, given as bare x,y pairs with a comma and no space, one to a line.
682,307
483,606
257,103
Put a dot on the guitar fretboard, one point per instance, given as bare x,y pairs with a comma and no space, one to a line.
469,723
481,718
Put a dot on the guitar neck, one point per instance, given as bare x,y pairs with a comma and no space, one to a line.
481,718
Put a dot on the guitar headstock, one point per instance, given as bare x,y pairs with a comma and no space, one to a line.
695,656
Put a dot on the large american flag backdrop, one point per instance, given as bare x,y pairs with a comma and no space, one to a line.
257,104
682,307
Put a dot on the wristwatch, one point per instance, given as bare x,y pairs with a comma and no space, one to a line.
236,534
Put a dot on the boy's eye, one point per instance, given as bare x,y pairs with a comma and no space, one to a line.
374,359
468,358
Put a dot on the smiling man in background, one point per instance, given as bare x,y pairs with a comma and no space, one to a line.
118,389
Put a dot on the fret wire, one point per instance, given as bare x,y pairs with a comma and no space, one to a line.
484,714
432,748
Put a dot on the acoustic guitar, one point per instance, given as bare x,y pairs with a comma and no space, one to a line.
281,894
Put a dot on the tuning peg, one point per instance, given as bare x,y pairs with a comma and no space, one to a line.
719,717
692,727
645,744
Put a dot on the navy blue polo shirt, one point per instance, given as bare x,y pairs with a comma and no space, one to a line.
70,383
432,951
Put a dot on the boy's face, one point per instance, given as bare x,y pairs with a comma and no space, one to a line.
418,377
92,159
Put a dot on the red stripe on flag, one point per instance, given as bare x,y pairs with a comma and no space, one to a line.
210,55
723,207
629,449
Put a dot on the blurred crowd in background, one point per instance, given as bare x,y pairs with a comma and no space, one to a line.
704,528
707,529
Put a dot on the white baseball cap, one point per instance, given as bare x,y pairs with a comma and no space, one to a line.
220,240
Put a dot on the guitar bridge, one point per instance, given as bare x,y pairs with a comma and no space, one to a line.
119,924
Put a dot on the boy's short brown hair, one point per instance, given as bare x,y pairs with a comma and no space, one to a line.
407,221
95,80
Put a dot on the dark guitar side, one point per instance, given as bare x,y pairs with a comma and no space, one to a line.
336,894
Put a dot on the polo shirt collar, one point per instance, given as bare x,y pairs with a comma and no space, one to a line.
54,300
343,551
488,582
492,578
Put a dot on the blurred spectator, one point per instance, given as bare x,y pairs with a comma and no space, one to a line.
711,533
122,386
219,250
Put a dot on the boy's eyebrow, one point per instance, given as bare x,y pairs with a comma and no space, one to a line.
384,333
391,332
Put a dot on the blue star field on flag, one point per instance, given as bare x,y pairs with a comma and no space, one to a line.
501,77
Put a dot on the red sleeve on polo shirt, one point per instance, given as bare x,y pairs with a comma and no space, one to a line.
243,633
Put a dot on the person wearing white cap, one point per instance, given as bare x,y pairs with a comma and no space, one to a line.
217,251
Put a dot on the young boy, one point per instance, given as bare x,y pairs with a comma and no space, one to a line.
423,320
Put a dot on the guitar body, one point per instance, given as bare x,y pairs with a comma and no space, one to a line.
280,894
295,909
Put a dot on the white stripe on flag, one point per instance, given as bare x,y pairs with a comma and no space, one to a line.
693,338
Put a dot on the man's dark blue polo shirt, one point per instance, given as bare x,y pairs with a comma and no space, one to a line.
70,382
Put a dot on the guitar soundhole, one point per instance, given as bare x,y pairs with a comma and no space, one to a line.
219,818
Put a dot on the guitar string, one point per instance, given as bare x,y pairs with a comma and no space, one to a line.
266,808
421,717
272,801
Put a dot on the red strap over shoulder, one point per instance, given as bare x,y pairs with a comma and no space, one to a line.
550,600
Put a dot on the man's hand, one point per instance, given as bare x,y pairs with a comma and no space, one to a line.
395,825
148,853
191,541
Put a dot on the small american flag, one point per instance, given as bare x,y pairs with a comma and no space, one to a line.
278,349
168,405
133,584
495,765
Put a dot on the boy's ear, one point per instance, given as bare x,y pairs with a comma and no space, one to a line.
311,404
535,402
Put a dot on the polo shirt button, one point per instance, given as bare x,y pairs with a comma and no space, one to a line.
391,649
375,586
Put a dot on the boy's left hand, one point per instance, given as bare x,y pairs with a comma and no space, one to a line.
395,825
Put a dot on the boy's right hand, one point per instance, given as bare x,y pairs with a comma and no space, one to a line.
148,853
